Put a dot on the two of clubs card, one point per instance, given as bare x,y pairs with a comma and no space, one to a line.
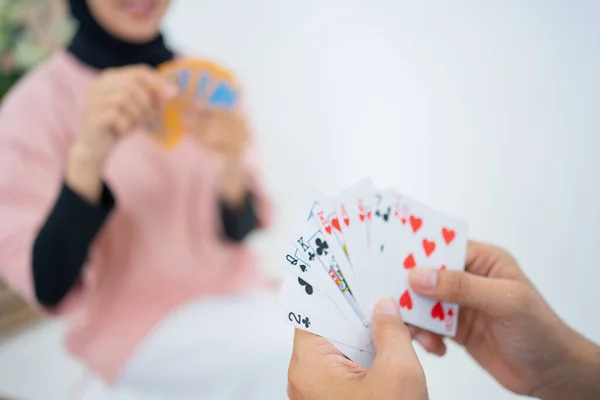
202,85
359,247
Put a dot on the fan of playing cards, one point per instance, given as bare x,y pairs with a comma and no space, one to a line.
359,247
200,83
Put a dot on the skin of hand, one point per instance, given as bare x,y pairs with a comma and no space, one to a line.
226,133
319,371
508,328
119,100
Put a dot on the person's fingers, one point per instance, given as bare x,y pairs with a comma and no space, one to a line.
154,82
463,288
477,251
493,261
390,334
413,330
431,342
142,98
391,337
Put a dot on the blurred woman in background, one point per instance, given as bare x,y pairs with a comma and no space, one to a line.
138,246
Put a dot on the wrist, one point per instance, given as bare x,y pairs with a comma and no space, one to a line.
84,175
233,188
578,377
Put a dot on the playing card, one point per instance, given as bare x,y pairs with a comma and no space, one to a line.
202,85
380,278
315,249
324,215
320,315
353,205
434,241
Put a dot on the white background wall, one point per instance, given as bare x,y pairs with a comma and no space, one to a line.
484,109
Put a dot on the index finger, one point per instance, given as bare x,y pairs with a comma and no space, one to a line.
155,82
491,261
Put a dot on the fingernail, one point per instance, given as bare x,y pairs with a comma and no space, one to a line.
424,278
387,306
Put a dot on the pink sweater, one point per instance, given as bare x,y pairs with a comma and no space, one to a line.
160,248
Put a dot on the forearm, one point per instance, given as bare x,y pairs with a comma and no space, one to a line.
239,222
237,203
579,377
61,246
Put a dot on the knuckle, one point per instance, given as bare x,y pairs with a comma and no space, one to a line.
519,295
504,254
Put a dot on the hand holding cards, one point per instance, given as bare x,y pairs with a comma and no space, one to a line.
208,96
359,247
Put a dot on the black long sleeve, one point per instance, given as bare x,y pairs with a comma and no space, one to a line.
239,223
63,243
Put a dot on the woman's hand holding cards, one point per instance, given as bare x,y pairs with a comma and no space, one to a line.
119,101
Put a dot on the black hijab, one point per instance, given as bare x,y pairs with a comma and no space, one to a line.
97,48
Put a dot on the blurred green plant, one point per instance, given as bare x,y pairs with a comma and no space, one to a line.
30,30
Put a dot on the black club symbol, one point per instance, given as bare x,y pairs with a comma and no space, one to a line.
322,247
306,322
386,216
303,267
311,256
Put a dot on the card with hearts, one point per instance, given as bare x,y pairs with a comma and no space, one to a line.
359,247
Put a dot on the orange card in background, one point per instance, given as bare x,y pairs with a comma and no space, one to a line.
200,83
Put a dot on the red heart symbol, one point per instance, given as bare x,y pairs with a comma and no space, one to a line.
336,224
409,262
328,229
443,268
428,246
448,235
450,313
406,301
361,217
347,221
415,223
437,312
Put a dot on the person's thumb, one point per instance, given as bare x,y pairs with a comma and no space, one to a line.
391,337
463,288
